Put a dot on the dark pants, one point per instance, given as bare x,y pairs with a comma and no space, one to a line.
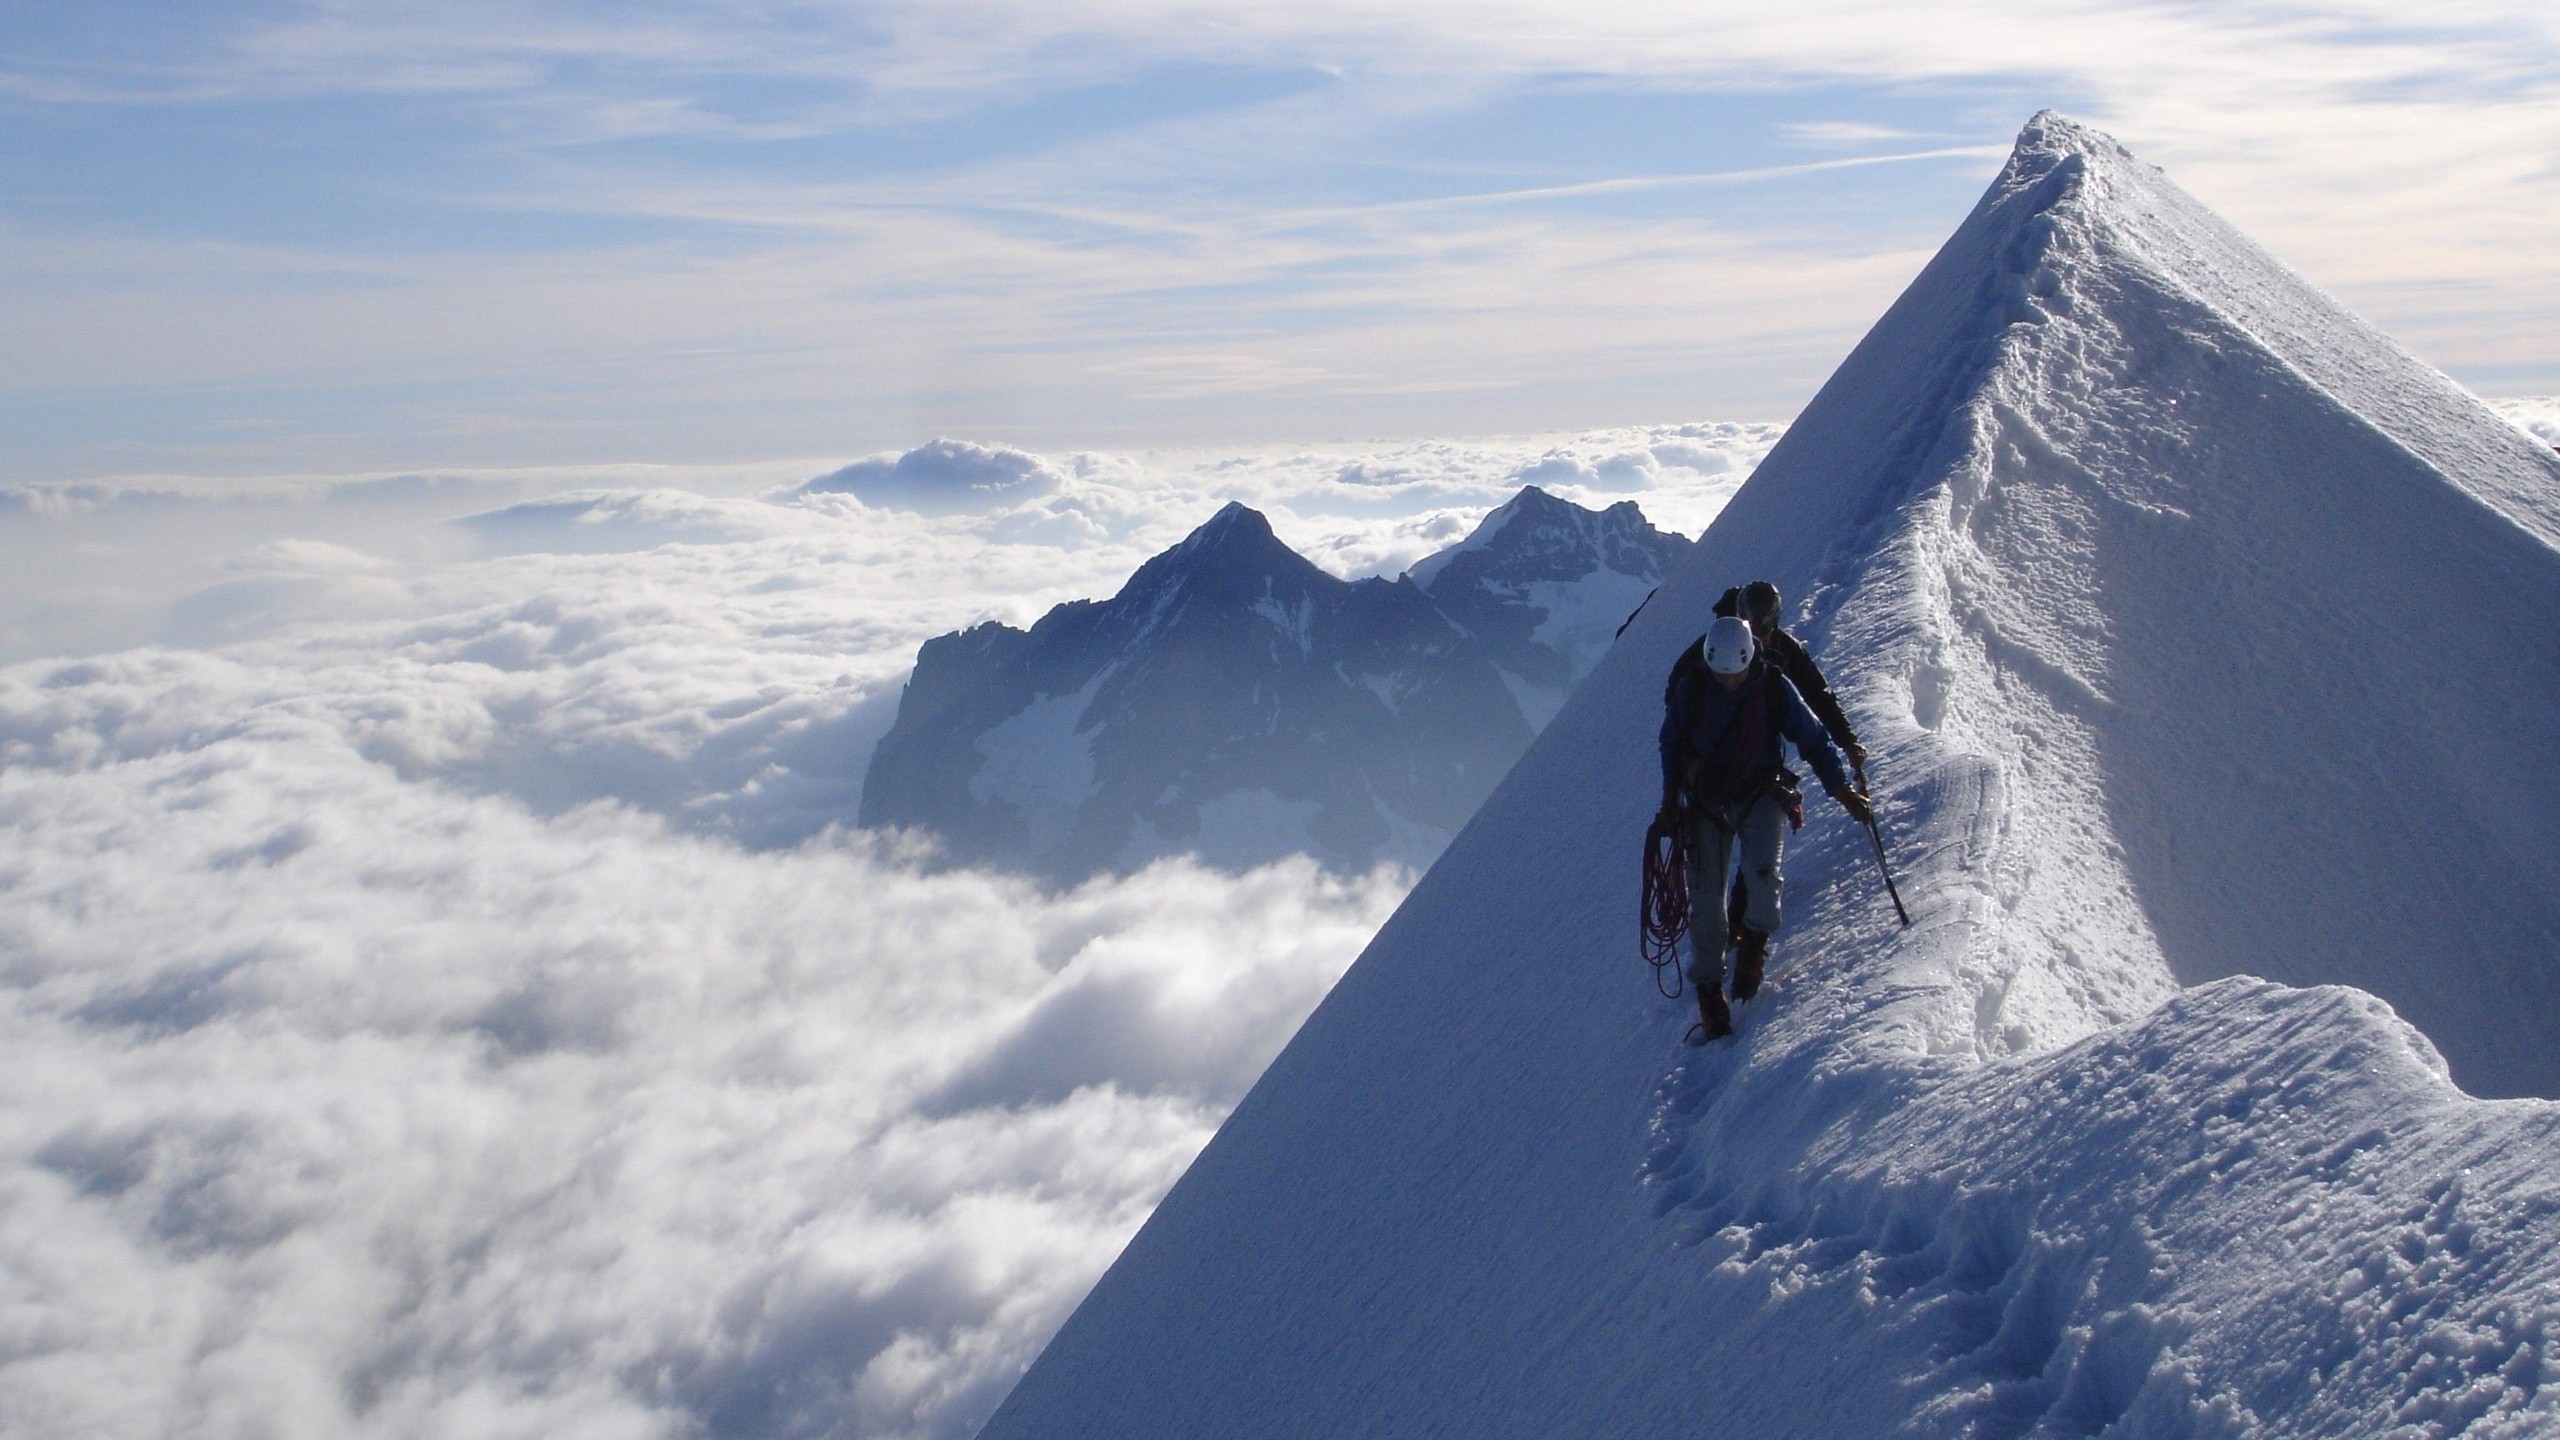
1759,831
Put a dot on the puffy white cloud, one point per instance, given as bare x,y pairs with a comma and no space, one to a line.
2538,416
452,1003
942,476
344,1102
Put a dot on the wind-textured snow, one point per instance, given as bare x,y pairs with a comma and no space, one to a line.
2199,632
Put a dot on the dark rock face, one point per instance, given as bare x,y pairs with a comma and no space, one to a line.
1237,702
1543,585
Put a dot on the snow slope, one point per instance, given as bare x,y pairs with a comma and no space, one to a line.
2200,633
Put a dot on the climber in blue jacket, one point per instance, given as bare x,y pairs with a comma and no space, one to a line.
1726,713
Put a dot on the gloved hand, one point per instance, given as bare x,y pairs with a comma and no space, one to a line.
1857,806
1669,815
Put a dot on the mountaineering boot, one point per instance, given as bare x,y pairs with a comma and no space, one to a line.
1748,959
1715,1021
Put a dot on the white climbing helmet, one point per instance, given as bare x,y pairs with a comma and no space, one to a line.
1729,646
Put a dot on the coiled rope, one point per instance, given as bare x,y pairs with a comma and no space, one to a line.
1665,907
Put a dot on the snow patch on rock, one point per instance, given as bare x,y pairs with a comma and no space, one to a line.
1041,761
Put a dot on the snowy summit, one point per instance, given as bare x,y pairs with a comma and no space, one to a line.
2199,633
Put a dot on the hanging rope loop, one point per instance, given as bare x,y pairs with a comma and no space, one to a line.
1665,906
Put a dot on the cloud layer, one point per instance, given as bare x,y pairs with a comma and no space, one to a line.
2538,415
442,998
343,1104
940,477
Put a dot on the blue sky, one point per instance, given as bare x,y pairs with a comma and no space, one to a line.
252,239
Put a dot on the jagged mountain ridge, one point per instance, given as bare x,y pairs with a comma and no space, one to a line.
1237,702
1543,585
2113,533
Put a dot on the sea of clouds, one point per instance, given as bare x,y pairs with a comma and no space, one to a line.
444,994
2536,415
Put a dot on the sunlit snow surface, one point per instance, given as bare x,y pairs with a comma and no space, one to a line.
435,1000
2199,633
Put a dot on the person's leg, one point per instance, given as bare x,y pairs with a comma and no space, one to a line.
1762,836
1710,861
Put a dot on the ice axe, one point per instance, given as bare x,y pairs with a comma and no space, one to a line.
1887,867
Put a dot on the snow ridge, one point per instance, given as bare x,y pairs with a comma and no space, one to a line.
2195,631
2039,1227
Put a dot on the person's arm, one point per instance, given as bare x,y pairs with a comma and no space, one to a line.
1811,741
1798,664
1815,745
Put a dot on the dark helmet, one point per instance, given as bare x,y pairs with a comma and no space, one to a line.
1759,603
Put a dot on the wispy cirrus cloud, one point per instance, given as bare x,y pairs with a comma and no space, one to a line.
500,234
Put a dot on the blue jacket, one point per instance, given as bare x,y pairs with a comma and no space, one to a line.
1697,713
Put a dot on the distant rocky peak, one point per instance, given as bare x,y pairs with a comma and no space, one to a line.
1530,502
1234,521
1537,532
1231,564
1235,550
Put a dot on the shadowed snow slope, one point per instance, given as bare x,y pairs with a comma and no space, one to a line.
2198,630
